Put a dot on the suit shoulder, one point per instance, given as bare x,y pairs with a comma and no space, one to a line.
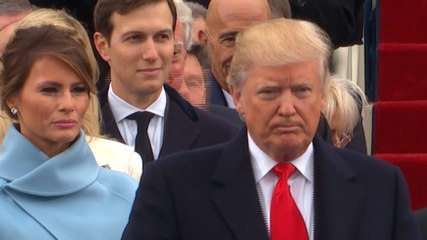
215,122
365,163
204,157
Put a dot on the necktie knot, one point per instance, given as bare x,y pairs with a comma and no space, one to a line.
142,141
142,118
284,170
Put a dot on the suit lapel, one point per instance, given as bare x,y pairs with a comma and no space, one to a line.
336,195
236,197
108,123
215,95
180,131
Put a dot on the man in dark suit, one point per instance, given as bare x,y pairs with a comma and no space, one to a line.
136,39
342,20
224,20
234,190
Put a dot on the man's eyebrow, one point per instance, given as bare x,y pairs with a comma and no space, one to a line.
139,32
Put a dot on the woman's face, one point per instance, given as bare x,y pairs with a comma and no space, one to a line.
51,105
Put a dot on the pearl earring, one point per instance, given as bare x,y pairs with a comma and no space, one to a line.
14,110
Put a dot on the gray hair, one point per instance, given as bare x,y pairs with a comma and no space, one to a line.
14,7
344,100
197,9
184,15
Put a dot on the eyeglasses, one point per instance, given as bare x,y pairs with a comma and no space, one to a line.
344,140
178,50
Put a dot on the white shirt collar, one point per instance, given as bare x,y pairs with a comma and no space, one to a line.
262,163
121,109
228,99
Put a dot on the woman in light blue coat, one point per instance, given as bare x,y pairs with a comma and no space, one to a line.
50,184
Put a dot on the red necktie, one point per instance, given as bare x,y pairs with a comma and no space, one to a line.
286,222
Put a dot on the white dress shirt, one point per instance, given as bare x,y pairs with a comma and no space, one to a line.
228,99
301,182
129,128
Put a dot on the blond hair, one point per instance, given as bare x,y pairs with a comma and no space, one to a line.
278,42
343,103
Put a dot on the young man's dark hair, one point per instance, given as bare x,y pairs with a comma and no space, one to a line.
104,9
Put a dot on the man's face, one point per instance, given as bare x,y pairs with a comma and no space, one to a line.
193,77
281,106
227,18
139,52
176,74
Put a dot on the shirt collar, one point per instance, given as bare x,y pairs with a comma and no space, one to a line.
121,109
228,99
262,163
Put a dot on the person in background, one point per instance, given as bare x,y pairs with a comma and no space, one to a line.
276,179
192,89
10,13
136,38
223,21
342,20
343,103
199,23
108,153
182,38
193,77
50,184
199,37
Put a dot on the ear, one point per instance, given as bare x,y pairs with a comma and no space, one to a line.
236,94
11,101
201,37
322,103
206,42
101,45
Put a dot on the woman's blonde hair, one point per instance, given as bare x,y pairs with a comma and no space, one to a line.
344,101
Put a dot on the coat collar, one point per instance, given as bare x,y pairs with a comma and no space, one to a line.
336,192
236,196
215,94
28,170
180,130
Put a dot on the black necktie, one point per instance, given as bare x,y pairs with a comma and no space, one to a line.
142,142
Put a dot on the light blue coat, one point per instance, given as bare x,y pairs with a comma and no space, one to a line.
64,197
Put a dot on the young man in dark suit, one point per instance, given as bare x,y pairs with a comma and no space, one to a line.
136,39
278,80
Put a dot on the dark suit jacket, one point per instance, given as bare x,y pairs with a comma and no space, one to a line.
186,127
210,193
421,215
225,112
341,19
